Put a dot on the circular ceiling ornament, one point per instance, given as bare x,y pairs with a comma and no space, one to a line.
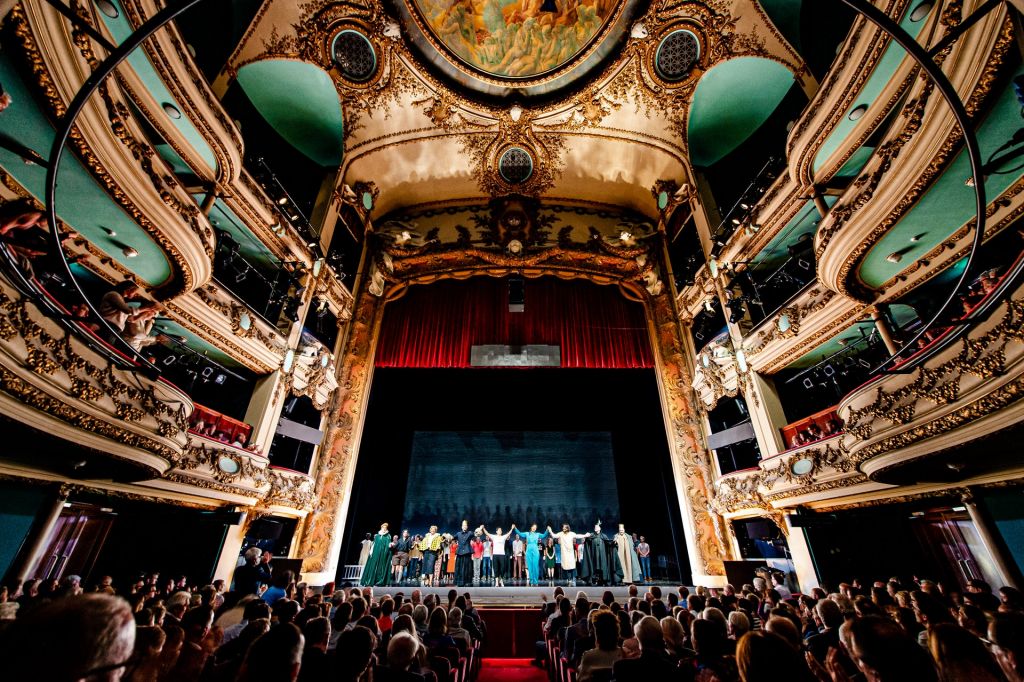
515,165
677,54
353,54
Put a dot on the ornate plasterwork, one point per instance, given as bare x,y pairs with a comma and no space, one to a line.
785,325
209,465
96,397
163,185
235,312
918,114
404,104
889,418
921,401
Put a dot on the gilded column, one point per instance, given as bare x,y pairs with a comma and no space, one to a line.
704,529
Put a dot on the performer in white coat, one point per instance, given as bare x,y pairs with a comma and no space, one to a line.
566,540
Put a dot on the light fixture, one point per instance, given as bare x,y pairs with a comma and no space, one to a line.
894,257
921,11
171,110
129,252
713,267
916,238
110,232
857,112
282,201
108,8
741,361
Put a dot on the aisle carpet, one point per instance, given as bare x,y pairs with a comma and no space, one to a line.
510,670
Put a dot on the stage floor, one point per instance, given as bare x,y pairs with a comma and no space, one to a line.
519,595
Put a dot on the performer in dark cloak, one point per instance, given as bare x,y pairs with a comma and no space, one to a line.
600,565
464,556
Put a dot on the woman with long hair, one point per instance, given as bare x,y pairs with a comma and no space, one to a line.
549,559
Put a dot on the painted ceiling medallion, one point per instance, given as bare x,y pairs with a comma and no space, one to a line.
527,46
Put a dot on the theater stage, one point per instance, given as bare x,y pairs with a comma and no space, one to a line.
518,596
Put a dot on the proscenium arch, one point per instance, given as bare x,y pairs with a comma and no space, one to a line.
323,531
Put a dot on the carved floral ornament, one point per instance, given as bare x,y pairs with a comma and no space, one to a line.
226,469
115,398
914,411
485,131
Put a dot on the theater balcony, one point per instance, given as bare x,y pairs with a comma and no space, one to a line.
115,149
116,422
239,475
946,415
868,80
923,425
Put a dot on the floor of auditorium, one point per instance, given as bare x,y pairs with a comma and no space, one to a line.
510,670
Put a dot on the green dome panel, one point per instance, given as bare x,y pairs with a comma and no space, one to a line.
731,102
309,118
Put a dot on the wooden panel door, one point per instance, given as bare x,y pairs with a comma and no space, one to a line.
75,542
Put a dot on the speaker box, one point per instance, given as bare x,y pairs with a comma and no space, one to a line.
516,294
265,529
741,572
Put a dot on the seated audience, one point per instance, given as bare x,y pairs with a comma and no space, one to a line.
607,650
652,663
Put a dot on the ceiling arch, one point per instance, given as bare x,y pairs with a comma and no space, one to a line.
309,117
731,101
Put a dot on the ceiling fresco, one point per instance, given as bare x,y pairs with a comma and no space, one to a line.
521,47
515,38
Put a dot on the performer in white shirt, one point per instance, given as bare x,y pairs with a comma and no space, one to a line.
498,558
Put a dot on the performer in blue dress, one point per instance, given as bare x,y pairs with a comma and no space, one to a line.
532,540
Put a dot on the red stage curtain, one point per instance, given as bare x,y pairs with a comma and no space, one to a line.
436,325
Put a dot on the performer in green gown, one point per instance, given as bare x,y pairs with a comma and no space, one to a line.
377,571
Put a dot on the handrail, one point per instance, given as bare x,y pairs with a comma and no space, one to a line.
963,121
60,141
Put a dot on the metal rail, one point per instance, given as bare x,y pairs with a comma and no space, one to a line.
60,141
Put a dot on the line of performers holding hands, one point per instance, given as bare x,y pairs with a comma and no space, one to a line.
594,558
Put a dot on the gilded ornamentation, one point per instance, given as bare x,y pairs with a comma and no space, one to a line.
786,324
33,56
52,356
983,357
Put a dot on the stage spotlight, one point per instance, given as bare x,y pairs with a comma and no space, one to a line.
803,264
863,363
808,383
828,370
736,310
207,372
170,360
220,379
241,275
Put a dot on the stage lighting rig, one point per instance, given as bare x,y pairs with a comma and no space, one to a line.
737,311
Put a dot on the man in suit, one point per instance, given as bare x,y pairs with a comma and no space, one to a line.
653,663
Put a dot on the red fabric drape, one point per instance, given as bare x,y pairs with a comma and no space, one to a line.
436,325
